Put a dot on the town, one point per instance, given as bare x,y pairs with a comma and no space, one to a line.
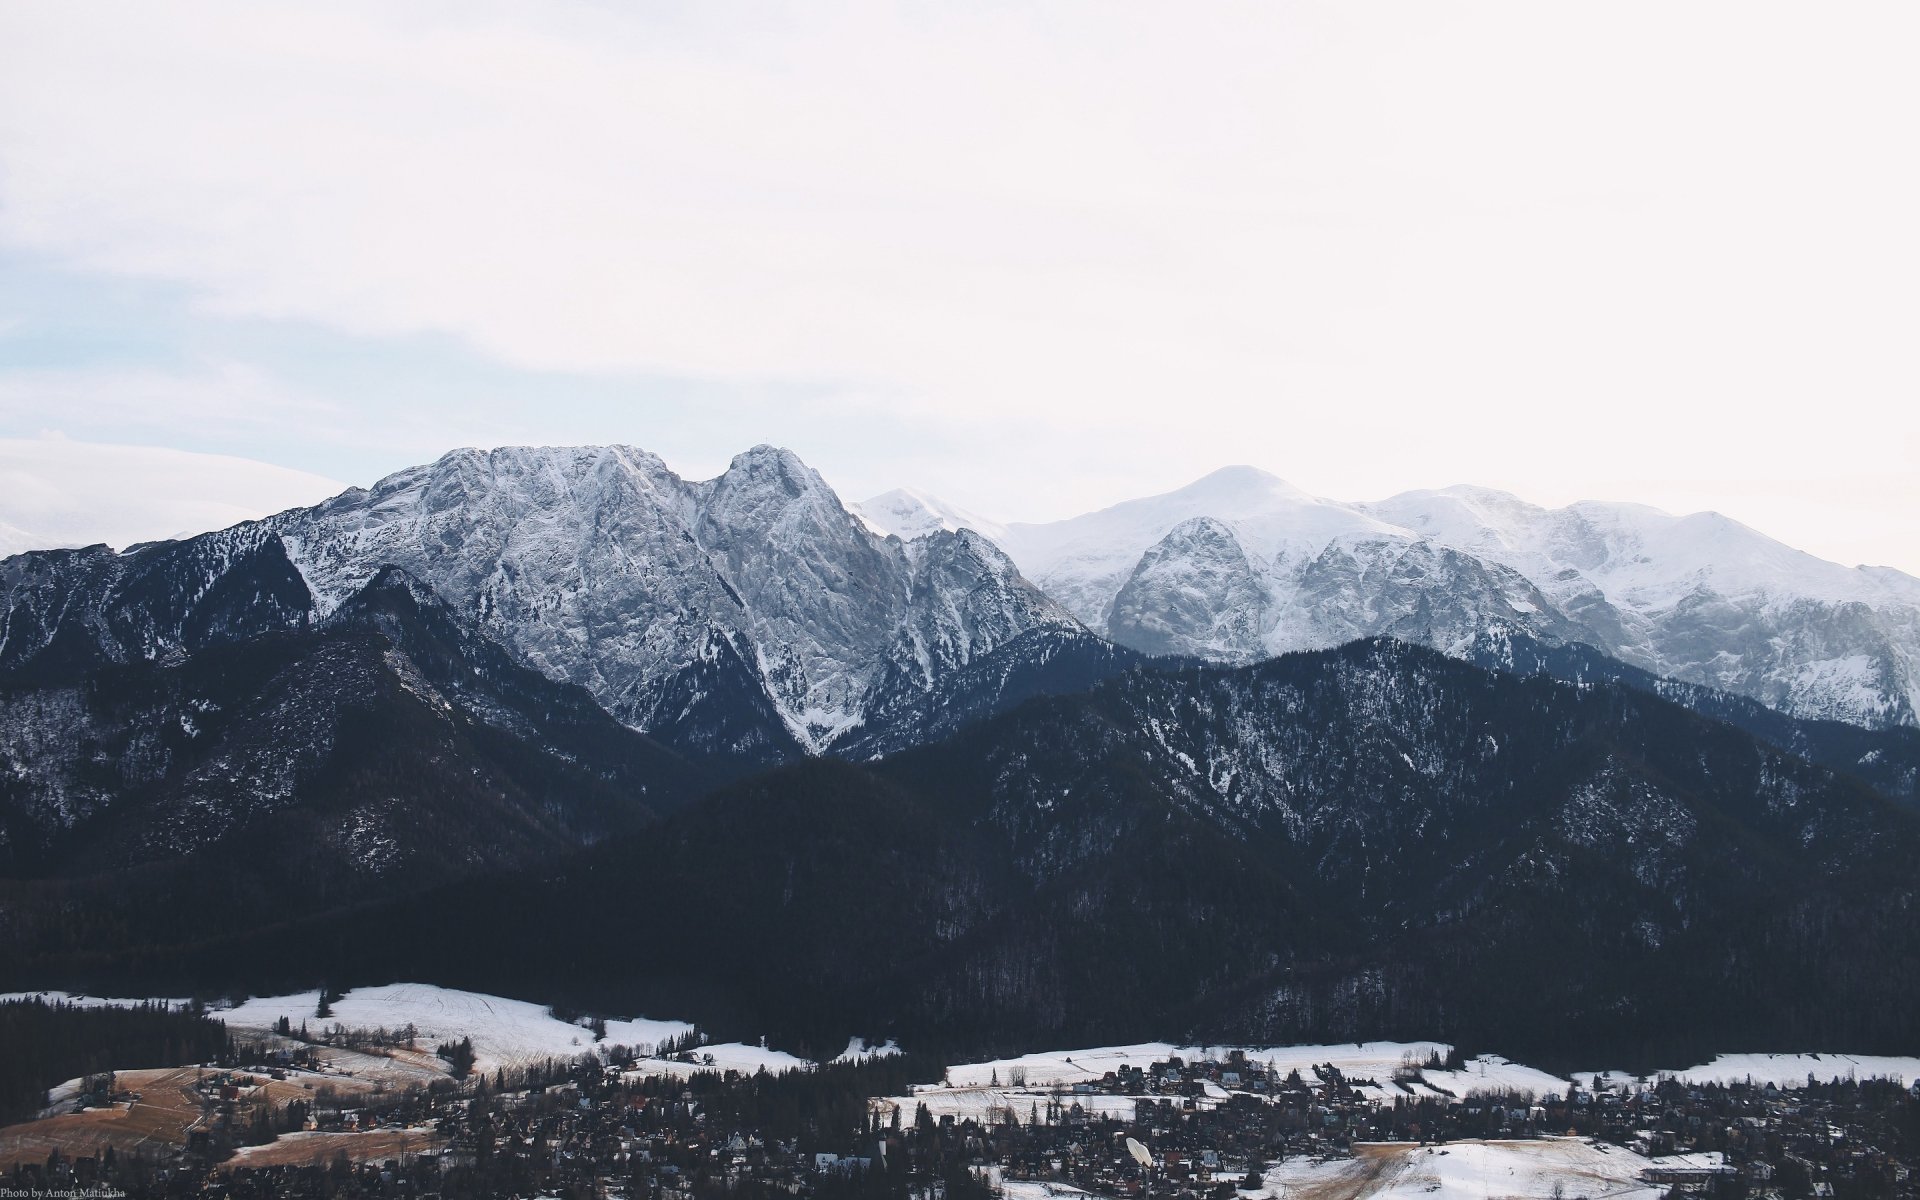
378,1113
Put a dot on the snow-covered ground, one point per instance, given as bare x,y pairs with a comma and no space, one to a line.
1374,1060
1782,1070
975,1089
517,1032
1492,1073
505,1033
985,1091
858,1051
722,1056
1020,1189
1473,1171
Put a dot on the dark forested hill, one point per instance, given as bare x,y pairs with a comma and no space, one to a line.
1370,841
1888,759
385,750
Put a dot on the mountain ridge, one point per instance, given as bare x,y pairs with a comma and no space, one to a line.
755,616
756,594
1699,597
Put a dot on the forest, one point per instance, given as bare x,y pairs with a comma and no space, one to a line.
47,1043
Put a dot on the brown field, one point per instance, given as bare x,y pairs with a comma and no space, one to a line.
319,1149
167,1111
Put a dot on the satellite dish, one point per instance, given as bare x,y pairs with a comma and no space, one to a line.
1140,1154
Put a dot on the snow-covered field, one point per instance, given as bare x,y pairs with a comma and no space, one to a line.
1374,1060
1787,1070
723,1056
858,1051
505,1033
1473,1171
980,1090
1492,1073
1021,1189
986,1091
517,1032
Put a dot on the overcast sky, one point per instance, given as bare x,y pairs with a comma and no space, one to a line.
1033,257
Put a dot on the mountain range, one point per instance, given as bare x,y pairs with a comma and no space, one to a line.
1241,565
1234,757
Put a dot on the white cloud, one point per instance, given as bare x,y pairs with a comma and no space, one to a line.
223,399
59,492
1555,248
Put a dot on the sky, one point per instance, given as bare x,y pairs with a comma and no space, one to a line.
1032,257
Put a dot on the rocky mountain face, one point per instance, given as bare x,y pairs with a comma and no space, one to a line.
749,616
1241,565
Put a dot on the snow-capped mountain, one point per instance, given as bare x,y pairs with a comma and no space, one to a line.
906,513
754,616
1240,565
689,609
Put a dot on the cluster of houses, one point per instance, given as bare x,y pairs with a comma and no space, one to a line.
1215,1122
1185,1130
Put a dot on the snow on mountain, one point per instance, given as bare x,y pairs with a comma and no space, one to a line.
754,613
908,514
1084,561
1241,564
1702,598
1636,555
602,566
706,609
1193,593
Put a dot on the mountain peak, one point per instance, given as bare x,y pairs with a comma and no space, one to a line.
1242,481
767,457
908,513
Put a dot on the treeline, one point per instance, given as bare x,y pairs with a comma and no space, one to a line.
43,1044
823,1110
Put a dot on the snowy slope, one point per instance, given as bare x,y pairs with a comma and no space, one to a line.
1787,1070
504,1032
907,513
